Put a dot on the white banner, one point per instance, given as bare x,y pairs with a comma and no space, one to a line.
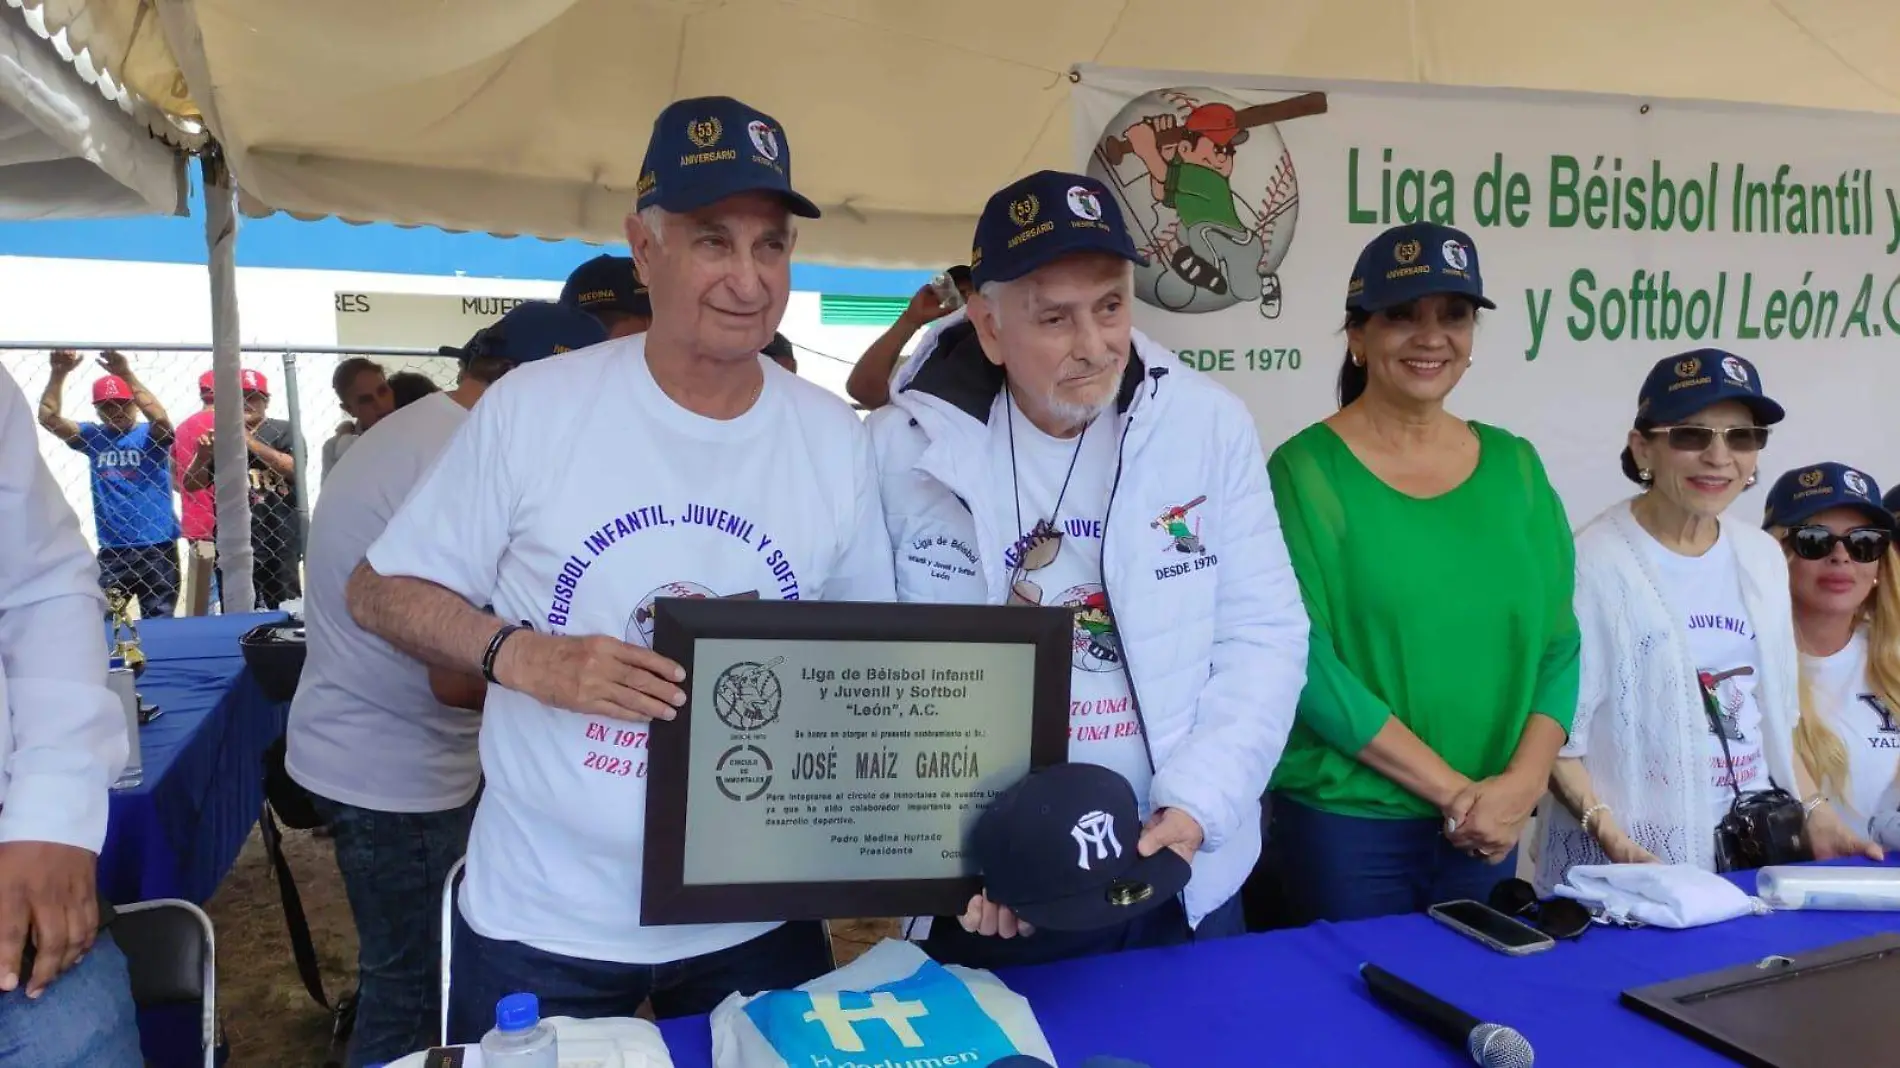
1611,232
414,320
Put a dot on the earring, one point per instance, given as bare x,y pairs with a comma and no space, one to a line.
1358,360
1644,476
1749,482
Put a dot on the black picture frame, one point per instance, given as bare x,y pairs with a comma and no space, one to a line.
679,624
1723,1010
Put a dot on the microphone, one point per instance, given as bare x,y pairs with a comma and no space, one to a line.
1490,1045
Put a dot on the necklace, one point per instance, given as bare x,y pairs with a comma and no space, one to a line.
1045,529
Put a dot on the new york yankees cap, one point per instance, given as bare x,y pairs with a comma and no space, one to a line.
1058,849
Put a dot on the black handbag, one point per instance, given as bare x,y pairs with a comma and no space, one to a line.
1762,827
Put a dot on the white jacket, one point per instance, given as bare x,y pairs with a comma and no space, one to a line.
1216,657
62,733
1640,725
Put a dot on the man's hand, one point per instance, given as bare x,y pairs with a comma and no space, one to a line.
1170,828
985,917
596,676
46,889
114,363
64,361
1487,818
924,307
1832,839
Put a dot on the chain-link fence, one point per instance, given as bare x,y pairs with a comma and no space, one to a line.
143,491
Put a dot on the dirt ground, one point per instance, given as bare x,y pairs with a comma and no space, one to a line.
268,1018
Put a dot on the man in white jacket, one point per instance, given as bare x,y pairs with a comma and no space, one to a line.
1040,451
62,742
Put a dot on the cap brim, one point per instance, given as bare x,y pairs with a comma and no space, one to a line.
1394,301
693,198
1148,884
1765,411
1808,509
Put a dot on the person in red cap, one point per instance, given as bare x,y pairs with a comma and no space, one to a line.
131,479
1190,164
275,544
197,509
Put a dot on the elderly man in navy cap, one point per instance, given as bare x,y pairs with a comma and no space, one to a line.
747,482
1041,451
609,289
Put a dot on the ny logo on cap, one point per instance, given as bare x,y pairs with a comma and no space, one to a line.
1094,829
1733,368
1855,483
1688,368
1023,212
1406,251
704,133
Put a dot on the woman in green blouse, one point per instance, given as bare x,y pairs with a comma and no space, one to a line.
1436,564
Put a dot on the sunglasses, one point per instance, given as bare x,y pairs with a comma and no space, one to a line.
1559,917
1686,438
1865,545
1035,551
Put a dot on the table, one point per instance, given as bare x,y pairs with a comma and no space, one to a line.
1294,997
179,831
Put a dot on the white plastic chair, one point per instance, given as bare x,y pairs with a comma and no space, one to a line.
448,938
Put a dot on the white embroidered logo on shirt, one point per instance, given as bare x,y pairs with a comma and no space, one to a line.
1096,829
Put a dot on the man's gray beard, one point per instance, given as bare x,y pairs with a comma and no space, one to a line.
1078,414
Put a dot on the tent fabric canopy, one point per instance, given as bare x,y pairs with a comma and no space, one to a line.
530,116
73,142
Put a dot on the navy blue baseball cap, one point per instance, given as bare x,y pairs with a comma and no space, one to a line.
607,283
1806,492
1412,261
533,330
1042,218
709,148
1680,386
1058,849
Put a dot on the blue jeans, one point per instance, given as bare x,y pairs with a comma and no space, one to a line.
1337,867
84,1019
394,866
1166,925
486,969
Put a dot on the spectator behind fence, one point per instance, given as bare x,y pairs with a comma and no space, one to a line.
275,546
392,766
609,289
131,479
363,391
870,381
62,740
197,509
408,387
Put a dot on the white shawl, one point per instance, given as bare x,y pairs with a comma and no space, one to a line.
1640,723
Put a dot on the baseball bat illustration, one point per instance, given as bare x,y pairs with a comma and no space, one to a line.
1116,149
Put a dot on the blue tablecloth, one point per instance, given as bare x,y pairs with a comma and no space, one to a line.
1295,998
178,832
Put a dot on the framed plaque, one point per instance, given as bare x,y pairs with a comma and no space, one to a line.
832,757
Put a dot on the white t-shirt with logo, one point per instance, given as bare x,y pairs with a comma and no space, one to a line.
1838,692
1103,726
576,495
364,727
1706,593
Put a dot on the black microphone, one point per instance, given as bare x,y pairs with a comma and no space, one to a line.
1490,1045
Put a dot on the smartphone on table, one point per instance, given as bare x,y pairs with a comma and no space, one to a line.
1483,924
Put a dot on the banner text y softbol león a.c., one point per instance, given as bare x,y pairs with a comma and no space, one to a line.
1612,232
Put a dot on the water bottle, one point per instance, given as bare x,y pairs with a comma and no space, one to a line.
120,680
520,1039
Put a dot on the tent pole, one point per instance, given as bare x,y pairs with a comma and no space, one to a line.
230,453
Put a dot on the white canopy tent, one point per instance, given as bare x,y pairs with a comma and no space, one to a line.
531,116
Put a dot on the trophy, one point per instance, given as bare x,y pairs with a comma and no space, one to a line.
125,631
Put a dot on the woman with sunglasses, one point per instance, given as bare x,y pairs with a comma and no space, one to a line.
1435,561
1844,577
1689,671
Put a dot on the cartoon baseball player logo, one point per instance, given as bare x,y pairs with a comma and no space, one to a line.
1173,520
640,625
1726,697
1210,185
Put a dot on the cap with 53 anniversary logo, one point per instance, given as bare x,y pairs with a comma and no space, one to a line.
1045,217
709,148
1412,261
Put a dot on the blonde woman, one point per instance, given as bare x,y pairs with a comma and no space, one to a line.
1844,580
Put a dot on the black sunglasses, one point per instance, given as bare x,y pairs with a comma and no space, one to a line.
1865,545
1687,438
1558,917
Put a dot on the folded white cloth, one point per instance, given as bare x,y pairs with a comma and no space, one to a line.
1658,895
